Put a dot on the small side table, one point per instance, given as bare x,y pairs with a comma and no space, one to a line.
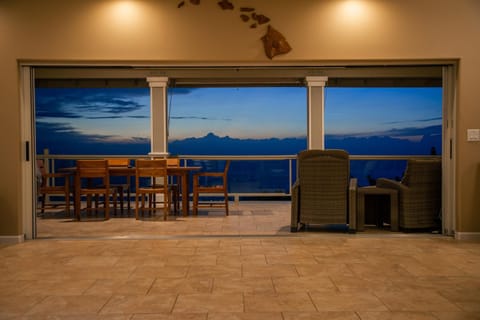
372,190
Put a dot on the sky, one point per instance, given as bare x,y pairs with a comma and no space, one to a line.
108,114
375,111
254,112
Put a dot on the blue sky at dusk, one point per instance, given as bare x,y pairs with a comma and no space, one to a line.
103,114
122,115
381,111
254,112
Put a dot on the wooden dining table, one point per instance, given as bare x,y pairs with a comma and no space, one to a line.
180,171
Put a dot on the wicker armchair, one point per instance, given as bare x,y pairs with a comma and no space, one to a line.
322,192
419,194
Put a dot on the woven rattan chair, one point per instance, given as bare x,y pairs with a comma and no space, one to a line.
320,196
419,194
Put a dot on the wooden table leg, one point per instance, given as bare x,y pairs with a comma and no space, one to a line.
77,204
185,200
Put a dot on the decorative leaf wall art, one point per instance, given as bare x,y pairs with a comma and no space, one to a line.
274,42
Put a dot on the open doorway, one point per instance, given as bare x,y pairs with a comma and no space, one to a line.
336,80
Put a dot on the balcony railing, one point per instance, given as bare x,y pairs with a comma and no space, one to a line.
257,176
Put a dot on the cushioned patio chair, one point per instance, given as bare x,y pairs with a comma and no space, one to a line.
323,190
419,194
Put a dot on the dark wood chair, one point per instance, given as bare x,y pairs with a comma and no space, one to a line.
151,178
174,184
211,183
57,184
92,179
123,189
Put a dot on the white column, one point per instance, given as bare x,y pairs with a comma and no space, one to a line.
315,112
158,116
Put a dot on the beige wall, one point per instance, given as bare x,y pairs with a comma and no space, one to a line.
318,30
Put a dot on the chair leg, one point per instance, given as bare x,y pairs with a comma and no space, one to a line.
77,205
43,203
166,205
175,199
115,198
67,204
96,204
136,205
142,204
128,201
195,202
107,205
226,203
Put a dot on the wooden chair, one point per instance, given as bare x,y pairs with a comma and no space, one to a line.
52,184
92,179
156,172
174,184
121,188
202,185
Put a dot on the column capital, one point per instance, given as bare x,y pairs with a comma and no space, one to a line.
316,81
157,82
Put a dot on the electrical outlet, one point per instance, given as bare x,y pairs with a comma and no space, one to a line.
473,134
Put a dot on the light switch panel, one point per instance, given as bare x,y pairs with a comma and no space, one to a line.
473,134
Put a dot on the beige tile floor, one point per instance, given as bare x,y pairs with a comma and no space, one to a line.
238,274
246,218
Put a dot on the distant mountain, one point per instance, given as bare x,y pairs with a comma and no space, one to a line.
385,145
408,141
254,176
212,144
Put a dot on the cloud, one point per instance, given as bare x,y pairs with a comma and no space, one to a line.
88,103
104,117
199,118
418,120
51,108
65,133
414,131
399,133
62,138
175,91
139,117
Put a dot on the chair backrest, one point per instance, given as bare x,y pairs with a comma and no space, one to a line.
173,162
225,170
323,176
321,166
423,173
118,162
151,167
92,169
41,173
